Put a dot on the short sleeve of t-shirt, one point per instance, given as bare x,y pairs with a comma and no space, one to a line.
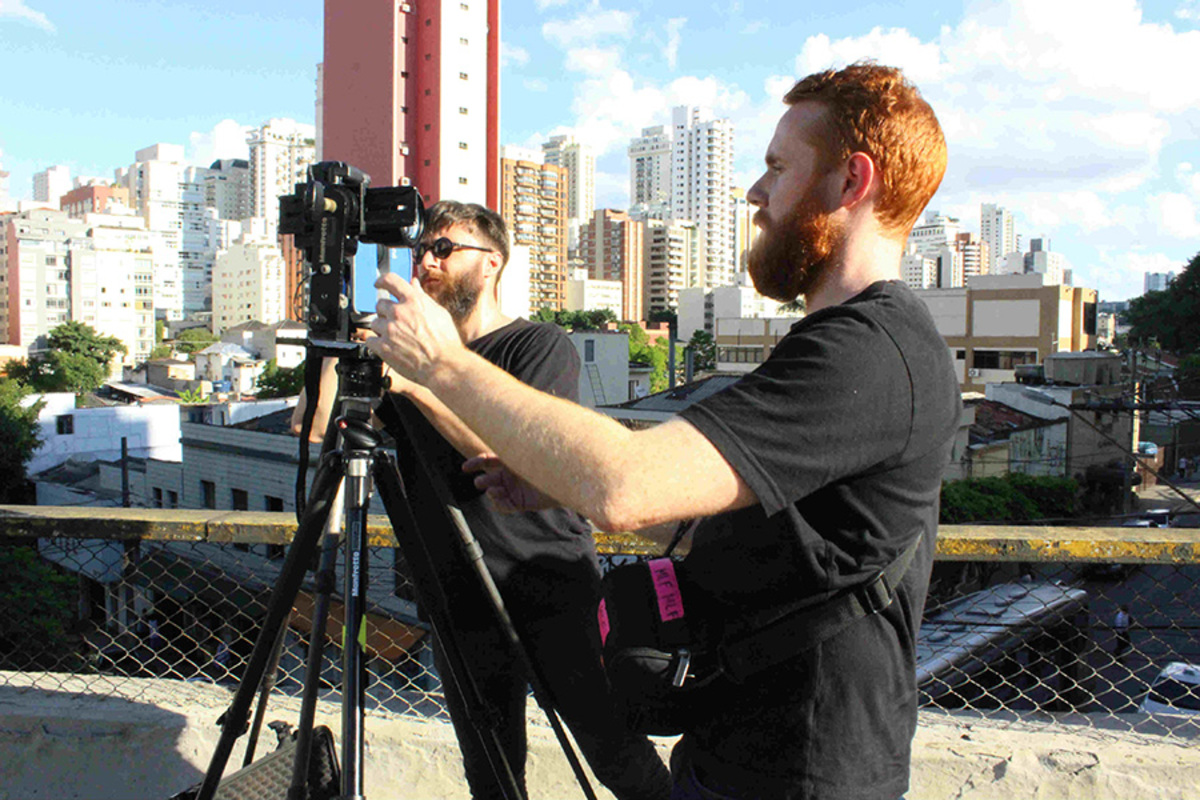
834,400
538,354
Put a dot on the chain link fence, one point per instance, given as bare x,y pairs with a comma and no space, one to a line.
1081,643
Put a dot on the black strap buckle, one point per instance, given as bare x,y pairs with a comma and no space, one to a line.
876,594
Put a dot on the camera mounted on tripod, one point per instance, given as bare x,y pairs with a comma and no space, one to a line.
328,215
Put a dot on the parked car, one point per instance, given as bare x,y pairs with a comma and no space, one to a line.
1176,690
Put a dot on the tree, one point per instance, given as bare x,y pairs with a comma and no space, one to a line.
645,354
592,320
82,339
194,339
20,435
1171,318
37,598
192,396
276,381
792,306
704,348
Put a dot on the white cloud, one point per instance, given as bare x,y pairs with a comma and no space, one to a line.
227,139
536,85
671,51
896,47
18,10
542,5
1176,215
589,27
1189,10
593,60
511,54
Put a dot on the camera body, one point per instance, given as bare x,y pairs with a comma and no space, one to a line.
329,215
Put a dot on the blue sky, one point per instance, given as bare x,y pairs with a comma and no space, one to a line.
1082,116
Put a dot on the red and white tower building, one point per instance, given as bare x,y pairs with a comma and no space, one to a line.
410,93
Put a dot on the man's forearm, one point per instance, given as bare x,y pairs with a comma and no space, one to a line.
566,450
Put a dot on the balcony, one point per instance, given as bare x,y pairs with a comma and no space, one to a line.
1025,680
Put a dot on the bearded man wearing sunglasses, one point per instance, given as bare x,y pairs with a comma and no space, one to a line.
543,562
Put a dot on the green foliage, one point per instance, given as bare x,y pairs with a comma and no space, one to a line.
279,382
1015,497
77,361
20,435
37,600
576,320
646,354
82,339
161,351
160,330
192,396
705,349
194,340
792,306
666,315
1169,319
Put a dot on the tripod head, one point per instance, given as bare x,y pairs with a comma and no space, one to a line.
328,216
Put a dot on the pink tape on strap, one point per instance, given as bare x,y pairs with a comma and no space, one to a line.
602,618
666,587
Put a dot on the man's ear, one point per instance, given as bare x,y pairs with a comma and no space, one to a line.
492,264
860,179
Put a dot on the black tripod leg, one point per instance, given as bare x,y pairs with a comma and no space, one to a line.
326,578
424,571
448,514
264,694
299,556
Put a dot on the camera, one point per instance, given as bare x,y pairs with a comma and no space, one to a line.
329,215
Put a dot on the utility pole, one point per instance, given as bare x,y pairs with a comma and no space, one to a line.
124,472
1127,487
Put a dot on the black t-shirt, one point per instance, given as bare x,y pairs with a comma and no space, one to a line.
843,434
541,561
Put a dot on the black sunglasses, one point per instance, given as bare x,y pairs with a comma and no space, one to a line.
443,247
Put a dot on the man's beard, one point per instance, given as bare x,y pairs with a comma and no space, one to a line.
793,258
460,295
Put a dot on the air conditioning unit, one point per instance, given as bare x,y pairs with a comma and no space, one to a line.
973,372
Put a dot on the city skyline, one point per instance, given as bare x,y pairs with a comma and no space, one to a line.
1089,150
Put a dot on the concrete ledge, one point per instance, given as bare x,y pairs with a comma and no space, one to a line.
156,738
955,542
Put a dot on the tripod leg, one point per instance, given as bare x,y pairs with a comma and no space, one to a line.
264,693
299,555
424,569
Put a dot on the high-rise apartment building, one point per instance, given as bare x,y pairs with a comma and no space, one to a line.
702,188
997,229
580,163
744,230
934,239
534,205
918,271
228,188
613,249
650,172
51,184
672,253
249,280
281,151
98,270
973,253
410,93
95,198
1157,281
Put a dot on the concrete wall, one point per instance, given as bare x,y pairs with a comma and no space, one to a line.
152,431
159,738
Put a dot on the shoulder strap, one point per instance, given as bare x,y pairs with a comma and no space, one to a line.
790,630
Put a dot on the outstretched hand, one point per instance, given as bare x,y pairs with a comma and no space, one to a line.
413,332
508,491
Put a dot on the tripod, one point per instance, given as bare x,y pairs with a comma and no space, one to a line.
447,558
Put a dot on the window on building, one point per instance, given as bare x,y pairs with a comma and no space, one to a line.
1002,359
158,497
239,500
462,76
462,181
64,424
462,40
1089,319
589,350
462,145
172,499
208,494
462,109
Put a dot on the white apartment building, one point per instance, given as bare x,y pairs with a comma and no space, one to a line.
1040,260
35,275
702,188
699,309
227,188
671,257
248,282
997,229
281,151
934,239
650,172
918,271
1157,281
744,229
112,282
591,294
51,184
580,164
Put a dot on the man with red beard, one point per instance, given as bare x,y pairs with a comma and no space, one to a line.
818,474
543,561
